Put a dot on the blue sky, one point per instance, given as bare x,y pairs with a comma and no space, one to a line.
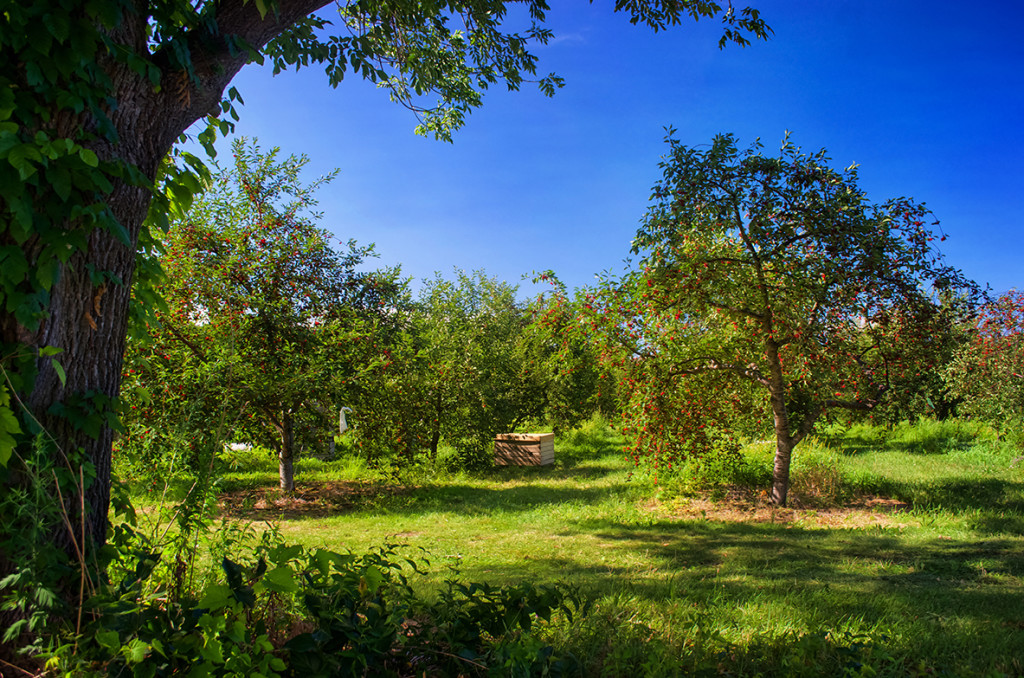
927,96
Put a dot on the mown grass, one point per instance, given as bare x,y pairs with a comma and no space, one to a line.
930,581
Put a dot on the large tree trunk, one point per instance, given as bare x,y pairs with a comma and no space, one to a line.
87,319
89,323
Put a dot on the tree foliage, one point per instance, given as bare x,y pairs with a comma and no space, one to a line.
262,314
468,361
97,94
776,272
987,373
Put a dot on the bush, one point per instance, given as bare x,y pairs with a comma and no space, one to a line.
286,610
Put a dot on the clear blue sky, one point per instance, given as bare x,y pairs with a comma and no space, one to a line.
927,96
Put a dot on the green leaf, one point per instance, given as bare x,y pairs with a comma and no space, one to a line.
89,157
60,179
58,24
144,395
136,651
22,158
14,630
373,578
285,552
13,263
59,369
281,580
215,598
46,272
108,639
8,427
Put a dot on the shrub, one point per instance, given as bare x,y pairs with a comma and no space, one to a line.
288,610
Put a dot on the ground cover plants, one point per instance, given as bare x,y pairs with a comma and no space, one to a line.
901,551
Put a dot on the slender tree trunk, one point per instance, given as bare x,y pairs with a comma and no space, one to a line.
783,430
286,455
780,472
435,438
435,434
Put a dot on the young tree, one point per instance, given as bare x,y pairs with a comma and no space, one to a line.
262,312
94,95
776,271
577,386
469,361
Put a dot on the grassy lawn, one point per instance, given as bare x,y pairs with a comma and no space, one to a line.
903,554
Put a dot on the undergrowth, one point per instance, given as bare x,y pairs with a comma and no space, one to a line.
267,608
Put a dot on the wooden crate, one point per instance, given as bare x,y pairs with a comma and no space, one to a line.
524,449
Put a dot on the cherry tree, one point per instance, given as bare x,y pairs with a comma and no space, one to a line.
987,374
774,272
264,317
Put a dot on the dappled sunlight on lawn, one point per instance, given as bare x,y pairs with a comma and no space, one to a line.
927,565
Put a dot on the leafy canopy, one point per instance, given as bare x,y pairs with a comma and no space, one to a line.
987,373
776,271
263,314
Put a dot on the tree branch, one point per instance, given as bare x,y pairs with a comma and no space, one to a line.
198,352
711,364
807,425
216,57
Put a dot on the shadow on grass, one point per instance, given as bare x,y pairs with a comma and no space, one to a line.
320,500
792,554
998,504
997,522
938,442
576,480
961,597
956,494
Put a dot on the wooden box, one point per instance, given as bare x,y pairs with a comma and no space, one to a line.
524,449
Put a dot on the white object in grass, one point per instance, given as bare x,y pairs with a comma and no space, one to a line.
342,422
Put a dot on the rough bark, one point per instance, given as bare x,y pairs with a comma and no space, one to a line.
89,322
780,470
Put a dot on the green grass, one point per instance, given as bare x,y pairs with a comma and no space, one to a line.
937,586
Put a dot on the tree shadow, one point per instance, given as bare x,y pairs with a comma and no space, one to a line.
993,522
856,442
466,500
955,590
958,495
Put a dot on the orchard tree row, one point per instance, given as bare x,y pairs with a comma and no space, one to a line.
266,331
770,295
